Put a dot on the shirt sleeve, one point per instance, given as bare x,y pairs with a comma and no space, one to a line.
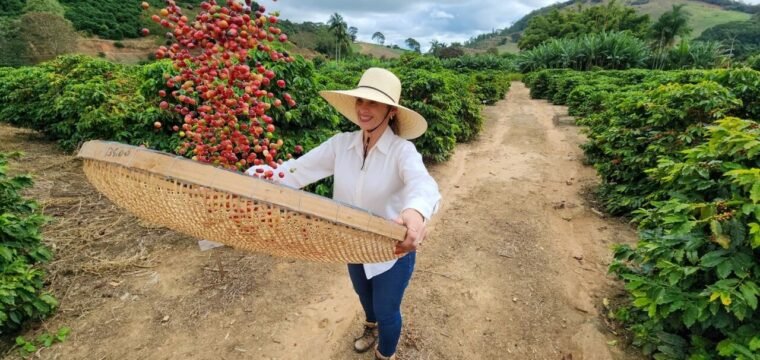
420,189
313,166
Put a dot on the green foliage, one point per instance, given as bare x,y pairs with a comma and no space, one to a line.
570,24
629,136
693,278
619,51
47,6
75,98
588,99
450,101
745,85
28,347
11,7
12,46
109,19
432,94
740,38
112,19
21,248
671,24
694,55
491,86
593,51
491,74
754,62
481,62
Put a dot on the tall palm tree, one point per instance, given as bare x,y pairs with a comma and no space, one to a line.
436,47
670,25
339,28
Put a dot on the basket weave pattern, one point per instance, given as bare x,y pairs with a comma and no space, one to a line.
237,221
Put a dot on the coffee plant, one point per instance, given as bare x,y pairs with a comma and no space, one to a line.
694,275
628,137
21,250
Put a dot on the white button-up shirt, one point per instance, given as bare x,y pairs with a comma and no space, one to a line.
394,177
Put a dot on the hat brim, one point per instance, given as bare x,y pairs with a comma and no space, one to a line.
411,125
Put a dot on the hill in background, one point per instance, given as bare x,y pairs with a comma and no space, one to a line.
704,15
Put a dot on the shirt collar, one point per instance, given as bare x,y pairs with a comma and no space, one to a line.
383,144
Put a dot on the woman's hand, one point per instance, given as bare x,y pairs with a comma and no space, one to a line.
415,231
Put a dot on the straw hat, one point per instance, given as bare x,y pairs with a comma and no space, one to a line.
382,86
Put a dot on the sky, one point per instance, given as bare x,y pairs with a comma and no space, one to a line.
444,20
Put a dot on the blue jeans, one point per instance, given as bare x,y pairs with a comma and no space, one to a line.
381,299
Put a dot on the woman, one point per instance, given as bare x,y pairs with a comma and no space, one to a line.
378,169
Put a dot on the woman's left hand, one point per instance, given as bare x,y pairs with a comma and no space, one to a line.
415,231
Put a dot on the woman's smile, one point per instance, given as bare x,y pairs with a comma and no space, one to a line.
365,118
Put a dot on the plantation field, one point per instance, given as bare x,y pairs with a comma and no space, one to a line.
703,16
601,193
515,265
675,150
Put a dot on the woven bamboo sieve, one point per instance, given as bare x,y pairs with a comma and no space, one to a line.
235,209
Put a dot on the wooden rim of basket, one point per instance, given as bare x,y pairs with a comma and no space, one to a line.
189,171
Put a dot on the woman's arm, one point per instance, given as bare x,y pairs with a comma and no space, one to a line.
420,191
421,198
313,166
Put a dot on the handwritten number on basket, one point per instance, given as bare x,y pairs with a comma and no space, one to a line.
116,152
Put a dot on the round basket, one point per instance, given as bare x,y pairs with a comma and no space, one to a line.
235,209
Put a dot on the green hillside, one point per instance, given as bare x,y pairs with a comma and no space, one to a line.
378,51
703,16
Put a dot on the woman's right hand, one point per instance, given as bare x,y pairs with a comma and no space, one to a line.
415,231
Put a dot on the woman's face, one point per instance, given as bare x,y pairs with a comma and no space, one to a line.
370,113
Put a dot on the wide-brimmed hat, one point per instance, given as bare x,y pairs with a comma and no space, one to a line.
382,86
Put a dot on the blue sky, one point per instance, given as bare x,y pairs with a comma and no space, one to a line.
444,20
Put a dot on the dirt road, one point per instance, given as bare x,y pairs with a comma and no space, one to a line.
514,267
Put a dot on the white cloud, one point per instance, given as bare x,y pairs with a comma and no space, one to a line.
438,14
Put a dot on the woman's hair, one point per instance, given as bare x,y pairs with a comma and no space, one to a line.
393,123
